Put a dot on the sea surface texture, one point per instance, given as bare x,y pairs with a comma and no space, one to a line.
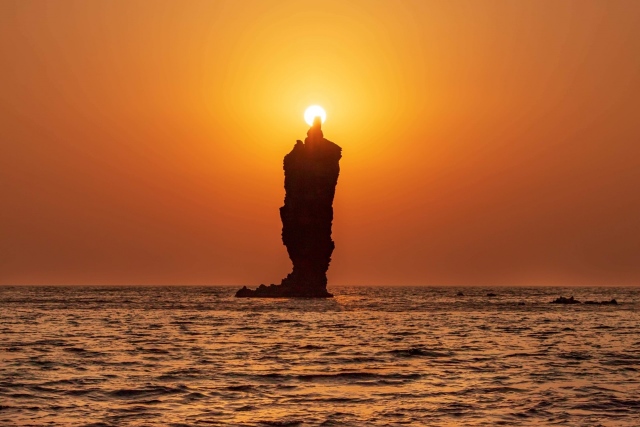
186,356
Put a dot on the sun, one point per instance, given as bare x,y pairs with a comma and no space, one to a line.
314,111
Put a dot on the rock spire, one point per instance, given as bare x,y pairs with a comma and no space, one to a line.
311,172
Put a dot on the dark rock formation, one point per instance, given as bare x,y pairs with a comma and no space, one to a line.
612,302
310,176
491,294
563,300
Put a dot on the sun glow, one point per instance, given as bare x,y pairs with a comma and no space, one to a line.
314,111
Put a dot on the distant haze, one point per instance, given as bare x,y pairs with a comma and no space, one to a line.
484,142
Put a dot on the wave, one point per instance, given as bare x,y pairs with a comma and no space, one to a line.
146,391
420,352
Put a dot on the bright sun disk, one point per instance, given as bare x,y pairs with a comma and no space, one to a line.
314,111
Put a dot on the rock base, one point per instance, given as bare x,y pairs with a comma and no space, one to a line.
282,291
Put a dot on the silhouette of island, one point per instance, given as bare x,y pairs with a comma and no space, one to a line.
563,300
311,172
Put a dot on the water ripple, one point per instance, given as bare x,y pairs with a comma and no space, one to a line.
184,356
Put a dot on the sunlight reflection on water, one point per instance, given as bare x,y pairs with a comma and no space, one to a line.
371,356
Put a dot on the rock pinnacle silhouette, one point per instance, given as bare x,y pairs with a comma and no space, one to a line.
311,172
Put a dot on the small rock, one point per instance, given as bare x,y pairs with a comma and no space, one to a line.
563,300
612,302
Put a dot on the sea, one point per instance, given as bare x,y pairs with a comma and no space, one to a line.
371,356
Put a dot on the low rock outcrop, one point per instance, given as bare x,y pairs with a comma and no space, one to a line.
612,302
563,300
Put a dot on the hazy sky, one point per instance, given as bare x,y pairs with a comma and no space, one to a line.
484,142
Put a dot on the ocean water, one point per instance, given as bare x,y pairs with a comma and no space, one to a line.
187,356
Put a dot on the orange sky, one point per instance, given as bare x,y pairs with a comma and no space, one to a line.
484,142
